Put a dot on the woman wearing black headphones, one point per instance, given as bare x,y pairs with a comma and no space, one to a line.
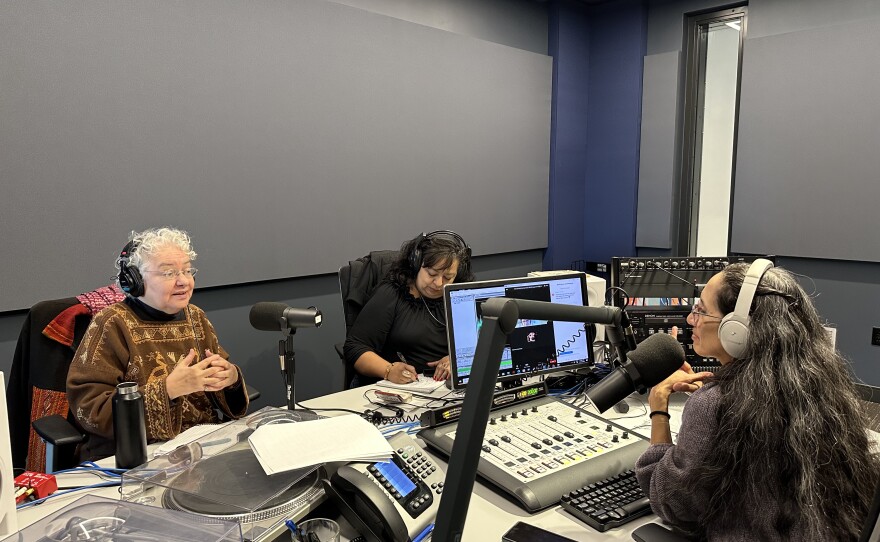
774,446
157,339
401,331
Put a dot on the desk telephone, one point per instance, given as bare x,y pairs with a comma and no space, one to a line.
393,500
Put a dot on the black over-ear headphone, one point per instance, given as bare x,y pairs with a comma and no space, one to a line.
464,251
734,328
130,279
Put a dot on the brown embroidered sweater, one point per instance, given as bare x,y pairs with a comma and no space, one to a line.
123,345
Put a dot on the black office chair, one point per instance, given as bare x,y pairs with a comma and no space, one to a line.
357,282
37,389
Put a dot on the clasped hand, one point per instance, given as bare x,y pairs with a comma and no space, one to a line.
210,374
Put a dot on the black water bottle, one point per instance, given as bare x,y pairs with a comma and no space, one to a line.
129,426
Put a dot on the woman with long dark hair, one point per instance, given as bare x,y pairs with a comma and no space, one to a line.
774,445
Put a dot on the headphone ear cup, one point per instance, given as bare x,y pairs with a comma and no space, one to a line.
415,255
130,280
733,333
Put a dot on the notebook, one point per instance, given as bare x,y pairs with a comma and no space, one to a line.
425,384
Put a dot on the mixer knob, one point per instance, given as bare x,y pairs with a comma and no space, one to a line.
525,412
493,442
577,413
534,409
608,427
504,417
491,421
625,435
486,448
552,418
505,438
558,438
569,434
547,441
513,416
536,446
614,438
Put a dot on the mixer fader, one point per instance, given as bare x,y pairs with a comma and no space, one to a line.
541,449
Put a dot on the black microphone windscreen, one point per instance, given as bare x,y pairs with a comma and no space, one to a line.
657,357
266,315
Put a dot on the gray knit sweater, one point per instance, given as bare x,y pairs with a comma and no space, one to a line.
665,472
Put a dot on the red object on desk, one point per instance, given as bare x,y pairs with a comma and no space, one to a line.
35,485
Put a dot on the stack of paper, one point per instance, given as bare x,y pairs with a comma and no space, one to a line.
287,446
425,384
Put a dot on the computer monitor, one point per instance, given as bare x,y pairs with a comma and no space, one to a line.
535,346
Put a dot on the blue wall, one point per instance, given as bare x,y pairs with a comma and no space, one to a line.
594,151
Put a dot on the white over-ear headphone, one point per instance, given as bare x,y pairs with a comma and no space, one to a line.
734,328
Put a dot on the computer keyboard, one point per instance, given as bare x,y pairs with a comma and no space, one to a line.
608,503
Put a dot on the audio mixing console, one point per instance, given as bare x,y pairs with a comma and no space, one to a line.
538,450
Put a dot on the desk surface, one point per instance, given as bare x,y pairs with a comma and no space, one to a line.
490,514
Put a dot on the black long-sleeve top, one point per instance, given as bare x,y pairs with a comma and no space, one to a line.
394,323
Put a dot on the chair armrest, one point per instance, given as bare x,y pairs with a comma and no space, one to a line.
56,430
252,392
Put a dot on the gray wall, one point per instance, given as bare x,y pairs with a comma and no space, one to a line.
805,187
511,23
302,124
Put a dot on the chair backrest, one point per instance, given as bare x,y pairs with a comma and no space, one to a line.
357,282
38,379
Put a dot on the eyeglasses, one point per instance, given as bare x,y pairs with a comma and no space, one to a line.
171,274
699,312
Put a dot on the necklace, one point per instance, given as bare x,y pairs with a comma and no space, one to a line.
431,314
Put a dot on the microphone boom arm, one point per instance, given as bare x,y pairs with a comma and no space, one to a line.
500,315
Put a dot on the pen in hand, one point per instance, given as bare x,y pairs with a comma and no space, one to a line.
406,373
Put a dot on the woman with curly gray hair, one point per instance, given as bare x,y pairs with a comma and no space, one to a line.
774,445
157,339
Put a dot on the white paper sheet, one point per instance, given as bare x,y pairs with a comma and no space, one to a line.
288,446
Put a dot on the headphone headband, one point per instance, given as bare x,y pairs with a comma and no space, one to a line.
750,286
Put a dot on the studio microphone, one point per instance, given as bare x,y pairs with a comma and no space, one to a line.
650,363
269,316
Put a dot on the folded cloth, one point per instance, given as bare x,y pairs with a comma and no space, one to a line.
104,296
61,328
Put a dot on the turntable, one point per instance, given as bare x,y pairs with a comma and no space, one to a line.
219,477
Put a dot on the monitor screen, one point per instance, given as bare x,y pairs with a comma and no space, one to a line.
535,346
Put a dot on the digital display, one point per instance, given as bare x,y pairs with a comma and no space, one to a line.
534,346
399,481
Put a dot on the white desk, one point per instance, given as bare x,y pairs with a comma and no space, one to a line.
489,515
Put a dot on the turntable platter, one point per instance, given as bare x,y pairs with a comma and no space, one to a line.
234,485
